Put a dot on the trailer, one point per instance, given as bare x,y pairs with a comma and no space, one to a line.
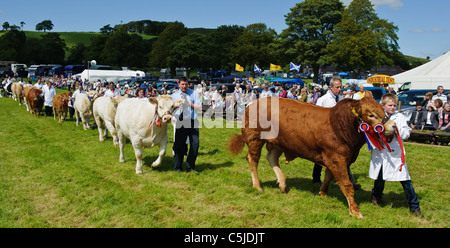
110,75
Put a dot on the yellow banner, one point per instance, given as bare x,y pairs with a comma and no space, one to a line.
239,68
381,79
275,67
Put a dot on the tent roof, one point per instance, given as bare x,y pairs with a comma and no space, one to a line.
437,69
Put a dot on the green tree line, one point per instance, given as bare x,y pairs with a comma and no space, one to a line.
319,32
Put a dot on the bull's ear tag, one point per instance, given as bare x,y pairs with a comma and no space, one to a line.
354,111
158,123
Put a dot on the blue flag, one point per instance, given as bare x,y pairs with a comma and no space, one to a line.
295,67
257,69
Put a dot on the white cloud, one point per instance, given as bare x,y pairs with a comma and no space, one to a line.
393,4
418,31
438,30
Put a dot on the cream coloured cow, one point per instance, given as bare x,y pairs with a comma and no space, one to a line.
104,114
83,107
145,124
17,89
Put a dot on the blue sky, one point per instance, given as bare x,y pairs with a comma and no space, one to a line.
424,25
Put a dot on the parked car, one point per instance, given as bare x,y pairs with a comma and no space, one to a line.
409,98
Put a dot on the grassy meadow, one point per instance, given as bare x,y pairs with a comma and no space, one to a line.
56,175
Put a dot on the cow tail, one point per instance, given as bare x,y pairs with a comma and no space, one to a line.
236,144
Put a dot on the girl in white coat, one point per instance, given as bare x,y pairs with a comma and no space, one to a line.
388,166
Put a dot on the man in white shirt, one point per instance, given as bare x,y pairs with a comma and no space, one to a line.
333,96
439,95
111,92
354,96
38,84
48,91
329,100
265,92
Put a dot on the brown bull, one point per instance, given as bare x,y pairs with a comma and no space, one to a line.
326,136
35,101
61,105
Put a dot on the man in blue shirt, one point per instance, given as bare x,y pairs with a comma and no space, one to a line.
187,126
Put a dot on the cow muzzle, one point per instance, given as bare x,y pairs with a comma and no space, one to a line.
389,128
167,117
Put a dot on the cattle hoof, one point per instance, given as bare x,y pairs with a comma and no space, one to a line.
139,172
323,194
358,215
155,165
122,160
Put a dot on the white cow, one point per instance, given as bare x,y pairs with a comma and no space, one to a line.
145,124
104,114
83,107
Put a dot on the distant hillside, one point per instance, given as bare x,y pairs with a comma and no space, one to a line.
73,38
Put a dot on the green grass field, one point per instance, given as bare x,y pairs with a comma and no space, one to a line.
56,175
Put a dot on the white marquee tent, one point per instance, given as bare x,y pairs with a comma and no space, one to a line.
426,76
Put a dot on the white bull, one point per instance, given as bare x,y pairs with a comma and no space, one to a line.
104,114
145,124
83,107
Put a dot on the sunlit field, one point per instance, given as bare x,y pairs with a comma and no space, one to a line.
56,175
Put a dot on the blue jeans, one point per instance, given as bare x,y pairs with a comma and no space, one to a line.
179,147
411,196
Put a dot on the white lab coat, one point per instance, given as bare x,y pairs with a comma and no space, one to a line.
328,100
391,161
48,95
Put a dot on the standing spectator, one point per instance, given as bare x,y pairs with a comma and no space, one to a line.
353,94
48,91
283,92
112,91
38,84
391,166
361,92
439,95
265,92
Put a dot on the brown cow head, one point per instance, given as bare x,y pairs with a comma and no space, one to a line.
368,110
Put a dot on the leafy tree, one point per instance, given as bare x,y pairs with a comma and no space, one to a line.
11,45
219,44
52,49
362,40
310,27
122,49
107,29
161,47
252,46
188,52
5,25
44,25
77,54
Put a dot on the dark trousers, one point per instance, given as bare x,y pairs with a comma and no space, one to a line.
48,111
411,196
71,112
179,147
317,172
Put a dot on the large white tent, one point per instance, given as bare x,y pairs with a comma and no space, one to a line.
426,76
